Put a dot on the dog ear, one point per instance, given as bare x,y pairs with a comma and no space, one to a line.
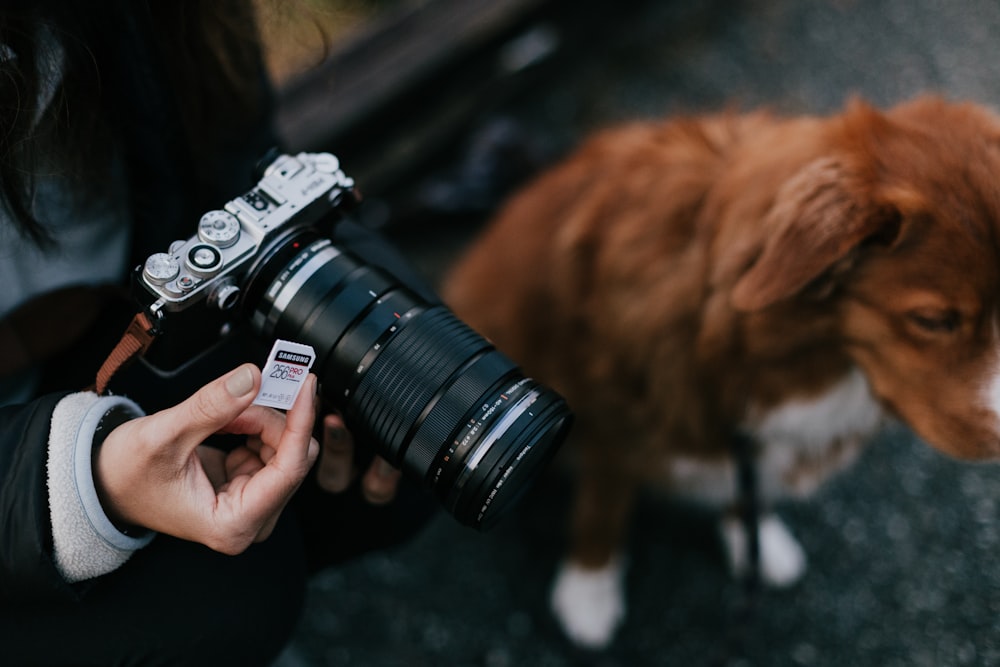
819,217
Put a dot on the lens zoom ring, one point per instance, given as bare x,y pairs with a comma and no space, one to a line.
405,388
411,375
409,371
466,393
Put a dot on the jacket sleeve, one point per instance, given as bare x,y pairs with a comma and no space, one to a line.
54,531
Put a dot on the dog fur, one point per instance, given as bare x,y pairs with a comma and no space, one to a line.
793,278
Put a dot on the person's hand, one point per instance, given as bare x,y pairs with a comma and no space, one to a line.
154,472
336,469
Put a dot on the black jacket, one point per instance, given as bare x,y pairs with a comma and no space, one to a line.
26,567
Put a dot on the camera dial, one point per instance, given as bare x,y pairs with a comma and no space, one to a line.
219,228
161,268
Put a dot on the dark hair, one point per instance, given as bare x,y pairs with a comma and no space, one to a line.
208,52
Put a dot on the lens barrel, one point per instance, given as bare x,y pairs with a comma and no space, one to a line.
414,383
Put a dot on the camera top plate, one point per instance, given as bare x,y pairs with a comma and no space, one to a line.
294,191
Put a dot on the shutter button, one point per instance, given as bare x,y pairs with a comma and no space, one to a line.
204,260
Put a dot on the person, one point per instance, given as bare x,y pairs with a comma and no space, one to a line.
133,533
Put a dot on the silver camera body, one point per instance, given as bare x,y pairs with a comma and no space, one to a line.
294,190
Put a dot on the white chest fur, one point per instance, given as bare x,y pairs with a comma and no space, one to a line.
801,443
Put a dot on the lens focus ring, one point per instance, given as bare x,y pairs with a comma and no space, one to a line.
450,409
409,372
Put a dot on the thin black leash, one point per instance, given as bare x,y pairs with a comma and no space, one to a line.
743,608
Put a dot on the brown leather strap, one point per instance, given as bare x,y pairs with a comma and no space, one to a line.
137,338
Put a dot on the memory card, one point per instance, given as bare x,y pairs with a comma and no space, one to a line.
284,374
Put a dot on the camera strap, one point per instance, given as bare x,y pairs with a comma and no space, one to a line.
139,335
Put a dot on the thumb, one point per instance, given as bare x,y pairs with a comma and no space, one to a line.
209,409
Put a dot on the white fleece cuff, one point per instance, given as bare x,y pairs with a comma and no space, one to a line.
86,543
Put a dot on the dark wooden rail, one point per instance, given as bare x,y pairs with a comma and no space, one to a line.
391,96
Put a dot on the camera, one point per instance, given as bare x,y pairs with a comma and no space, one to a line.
415,384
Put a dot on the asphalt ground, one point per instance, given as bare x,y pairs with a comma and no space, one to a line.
902,548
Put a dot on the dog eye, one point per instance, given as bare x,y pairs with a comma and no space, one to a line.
936,321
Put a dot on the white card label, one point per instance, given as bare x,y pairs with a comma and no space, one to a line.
284,374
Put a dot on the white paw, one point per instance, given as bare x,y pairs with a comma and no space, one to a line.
589,604
782,559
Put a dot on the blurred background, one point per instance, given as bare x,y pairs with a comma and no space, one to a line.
439,108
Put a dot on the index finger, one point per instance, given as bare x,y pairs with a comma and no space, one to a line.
295,451
207,411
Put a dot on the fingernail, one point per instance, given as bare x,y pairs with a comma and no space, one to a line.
240,383
383,469
334,472
335,433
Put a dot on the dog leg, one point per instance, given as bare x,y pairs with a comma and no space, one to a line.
782,559
588,595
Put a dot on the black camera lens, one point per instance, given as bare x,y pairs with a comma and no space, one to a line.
414,383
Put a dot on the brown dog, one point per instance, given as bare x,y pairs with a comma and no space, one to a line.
793,279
